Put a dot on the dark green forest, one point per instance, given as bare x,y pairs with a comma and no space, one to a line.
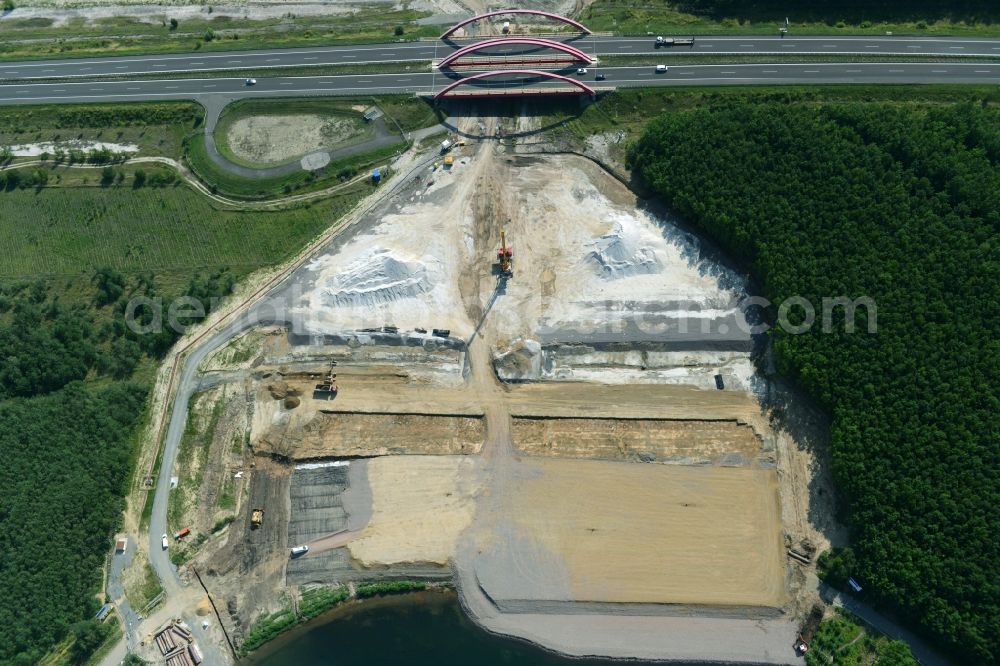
68,412
66,465
838,9
900,204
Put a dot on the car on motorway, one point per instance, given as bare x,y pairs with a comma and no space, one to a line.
660,69
600,77
251,82
581,71
163,542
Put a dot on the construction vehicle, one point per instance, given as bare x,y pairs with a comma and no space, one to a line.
506,256
808,630
449,161
328,389
256,518
182,533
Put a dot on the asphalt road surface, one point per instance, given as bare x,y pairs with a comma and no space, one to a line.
435,50
426,82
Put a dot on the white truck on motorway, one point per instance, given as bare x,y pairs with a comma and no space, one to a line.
673,41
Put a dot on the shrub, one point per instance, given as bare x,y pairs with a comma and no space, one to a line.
389,587
398,31
173,24
921,25
209,35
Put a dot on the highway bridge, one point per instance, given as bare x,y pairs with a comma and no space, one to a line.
413,52
428,83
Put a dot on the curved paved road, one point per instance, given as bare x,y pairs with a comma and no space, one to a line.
427,82
260,312
398,52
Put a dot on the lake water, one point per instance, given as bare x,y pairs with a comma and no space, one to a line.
425,629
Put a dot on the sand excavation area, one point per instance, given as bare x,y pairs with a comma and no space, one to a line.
582,446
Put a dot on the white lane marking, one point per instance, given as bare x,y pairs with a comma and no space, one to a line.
272,60
871,46
982,71
59,90
401,80
746,46
233,62
939,71
171,87
363,81
91,90
913,46
197,63
387,54
159,65
811,71
829,46
854,71
956,47
285,84
350,57
770,71
208,86
788,46
727,72
133,88
121,67
895,71
625,48
21,92
85,69
312,58
44,70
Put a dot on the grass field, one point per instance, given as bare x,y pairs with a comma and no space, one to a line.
73,231
156,128
37,38
920,17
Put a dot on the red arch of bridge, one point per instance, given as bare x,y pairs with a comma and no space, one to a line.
502,12
528,41
584,88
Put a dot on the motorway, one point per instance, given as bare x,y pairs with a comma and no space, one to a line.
401,52
426,82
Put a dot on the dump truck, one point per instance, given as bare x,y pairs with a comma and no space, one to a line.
445,146
449,161
256,518
180,534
